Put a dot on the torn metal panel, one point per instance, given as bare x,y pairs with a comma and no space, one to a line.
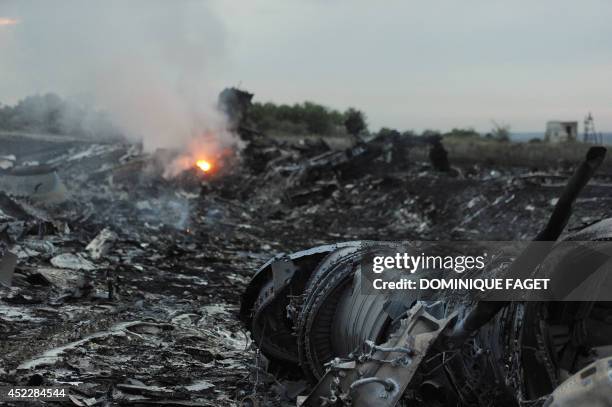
40,183
72,261
101,244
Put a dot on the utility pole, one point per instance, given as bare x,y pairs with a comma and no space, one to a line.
590,135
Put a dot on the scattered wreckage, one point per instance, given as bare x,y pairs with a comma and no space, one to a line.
132,280
122,286
306,313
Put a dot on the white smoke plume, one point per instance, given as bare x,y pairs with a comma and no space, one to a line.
151,64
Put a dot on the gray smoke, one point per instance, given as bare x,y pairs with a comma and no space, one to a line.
150,64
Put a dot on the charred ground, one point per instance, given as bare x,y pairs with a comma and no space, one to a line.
154,320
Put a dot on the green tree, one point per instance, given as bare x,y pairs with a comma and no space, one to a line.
300,118
354,122
431,133
463,133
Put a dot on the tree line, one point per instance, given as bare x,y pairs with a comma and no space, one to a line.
306,118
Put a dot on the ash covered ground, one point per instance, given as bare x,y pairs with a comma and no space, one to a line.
128,290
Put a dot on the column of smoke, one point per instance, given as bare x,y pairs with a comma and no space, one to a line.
150,64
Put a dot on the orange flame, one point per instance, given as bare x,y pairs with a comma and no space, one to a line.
8,21
204,165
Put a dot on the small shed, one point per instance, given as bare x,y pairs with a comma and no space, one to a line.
558,131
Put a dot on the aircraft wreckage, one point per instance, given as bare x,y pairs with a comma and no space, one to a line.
306,313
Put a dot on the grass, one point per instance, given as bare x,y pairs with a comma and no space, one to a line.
539,156
476,150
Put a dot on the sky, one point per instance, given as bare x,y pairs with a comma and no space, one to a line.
407,64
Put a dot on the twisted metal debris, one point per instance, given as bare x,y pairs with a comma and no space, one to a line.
305,310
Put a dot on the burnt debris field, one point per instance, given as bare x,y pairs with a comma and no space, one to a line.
305,204
126,285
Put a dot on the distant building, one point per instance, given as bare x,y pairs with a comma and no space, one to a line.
557,131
